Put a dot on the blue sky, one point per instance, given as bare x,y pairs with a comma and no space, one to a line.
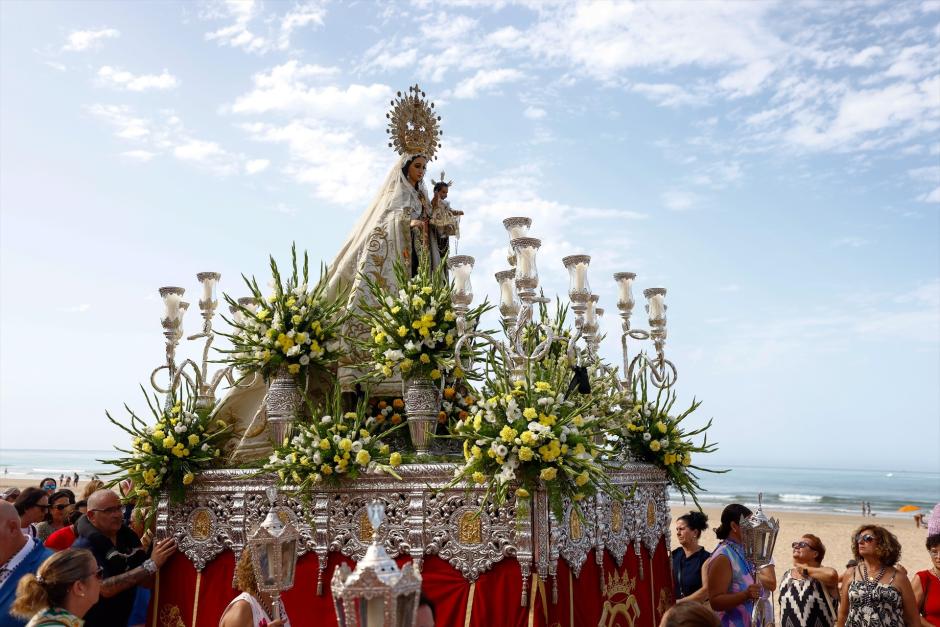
776,166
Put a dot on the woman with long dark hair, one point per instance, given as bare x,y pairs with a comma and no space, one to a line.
732,586
873,593
689,557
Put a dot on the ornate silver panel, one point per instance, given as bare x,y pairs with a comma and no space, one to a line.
423,517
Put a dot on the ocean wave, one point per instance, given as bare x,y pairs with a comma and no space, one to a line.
800,498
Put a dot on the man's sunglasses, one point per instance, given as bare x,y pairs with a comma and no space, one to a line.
109,510
865,538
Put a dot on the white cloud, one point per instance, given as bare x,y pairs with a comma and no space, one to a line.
138,155
485,80
852,241
299,17
534,113
116,77
237,34
86,39
677,200
56,66
254,166
208,154
931,197
82,308
126,125
669,95
286,88
864,58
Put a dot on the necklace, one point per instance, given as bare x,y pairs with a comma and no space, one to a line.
869,584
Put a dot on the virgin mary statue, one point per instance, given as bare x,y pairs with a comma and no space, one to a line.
394,228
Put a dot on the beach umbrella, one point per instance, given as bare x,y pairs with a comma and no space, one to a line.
908,508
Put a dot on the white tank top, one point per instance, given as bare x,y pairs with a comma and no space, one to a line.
259,618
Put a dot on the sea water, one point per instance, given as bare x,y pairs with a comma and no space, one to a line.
820,490
806,489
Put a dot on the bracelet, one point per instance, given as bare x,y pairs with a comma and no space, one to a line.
150,566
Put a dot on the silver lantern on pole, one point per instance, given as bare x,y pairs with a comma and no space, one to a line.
759,535
273,549
377,593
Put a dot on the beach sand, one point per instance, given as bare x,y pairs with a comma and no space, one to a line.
835,531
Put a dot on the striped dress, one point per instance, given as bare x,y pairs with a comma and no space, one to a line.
741,578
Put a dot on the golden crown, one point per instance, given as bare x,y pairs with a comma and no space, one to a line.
620,584
412,125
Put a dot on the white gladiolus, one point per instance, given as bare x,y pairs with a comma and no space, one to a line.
304,360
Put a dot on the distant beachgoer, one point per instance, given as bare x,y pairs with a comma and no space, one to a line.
689,557
48,484
75,480
61,592
32,505
60,505
689,615
872,594
732,589
807,590
863,508
19,556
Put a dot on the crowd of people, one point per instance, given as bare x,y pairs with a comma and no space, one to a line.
68,563
874,590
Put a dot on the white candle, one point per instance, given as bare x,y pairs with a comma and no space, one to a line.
580,276
375,612
172,302
657,308
208,290
590,315
626,290
506,296
523,258
462,278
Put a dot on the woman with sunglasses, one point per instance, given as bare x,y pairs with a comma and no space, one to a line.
60,504
48,484
61,592
807,590
926,585
32,505
874,592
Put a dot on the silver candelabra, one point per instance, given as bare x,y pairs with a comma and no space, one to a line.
198,375
518,298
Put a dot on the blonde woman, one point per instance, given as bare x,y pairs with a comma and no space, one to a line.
251,608
61,592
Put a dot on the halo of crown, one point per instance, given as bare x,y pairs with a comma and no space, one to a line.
413,125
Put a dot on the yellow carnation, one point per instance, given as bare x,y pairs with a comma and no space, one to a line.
548,474
363,457
395,459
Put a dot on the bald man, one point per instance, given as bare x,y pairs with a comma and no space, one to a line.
118,551
19,555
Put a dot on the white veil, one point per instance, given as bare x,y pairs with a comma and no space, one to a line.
381,237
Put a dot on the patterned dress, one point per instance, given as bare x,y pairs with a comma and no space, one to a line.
803,603
741,578
874,604
55,617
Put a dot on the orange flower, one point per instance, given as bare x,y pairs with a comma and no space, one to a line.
396,419
379,419
449,393
469,400
398,403
462,415
441,417
382,404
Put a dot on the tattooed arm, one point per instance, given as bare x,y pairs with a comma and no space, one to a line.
140,575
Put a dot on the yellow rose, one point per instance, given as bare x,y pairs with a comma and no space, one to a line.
548,474
293,368
581,479
425,358
395,459
363,457
687,459
169,441
522,493
193,439
345,445
326,469
526,454
188,478
654,445
528,437
324,444
435,374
